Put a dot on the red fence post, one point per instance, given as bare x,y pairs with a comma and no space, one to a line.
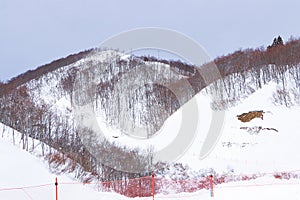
211,183
56,189
153,184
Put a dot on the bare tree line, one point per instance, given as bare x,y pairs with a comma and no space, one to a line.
246,71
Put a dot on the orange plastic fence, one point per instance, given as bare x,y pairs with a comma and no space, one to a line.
143,187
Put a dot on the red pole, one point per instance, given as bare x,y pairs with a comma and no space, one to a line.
153,184
211,185
56,189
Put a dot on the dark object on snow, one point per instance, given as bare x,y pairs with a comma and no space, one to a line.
247,117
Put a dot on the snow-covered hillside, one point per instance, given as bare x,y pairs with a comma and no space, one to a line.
263,145
116,85
249,150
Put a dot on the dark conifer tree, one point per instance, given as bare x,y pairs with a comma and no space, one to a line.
276,42
279,41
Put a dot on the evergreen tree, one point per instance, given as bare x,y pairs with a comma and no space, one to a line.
276,42
279,41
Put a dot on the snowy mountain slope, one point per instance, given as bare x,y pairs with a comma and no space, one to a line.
252,151
121,92
244,152
234,142
114,78
267,151
237,152
122,89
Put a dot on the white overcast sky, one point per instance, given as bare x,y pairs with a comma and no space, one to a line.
35,32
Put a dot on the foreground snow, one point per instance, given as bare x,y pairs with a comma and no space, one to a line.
21,169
